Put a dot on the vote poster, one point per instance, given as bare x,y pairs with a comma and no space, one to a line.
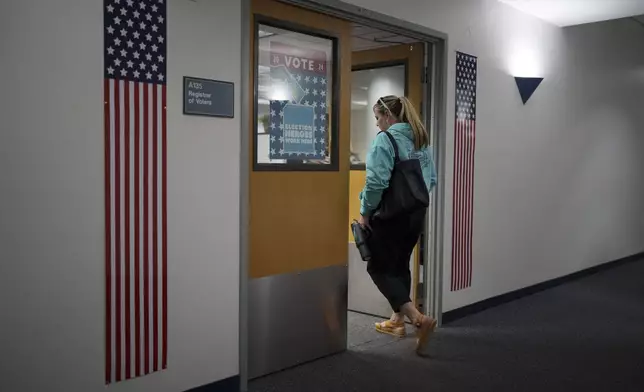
298,111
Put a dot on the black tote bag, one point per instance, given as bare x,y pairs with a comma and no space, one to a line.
407,192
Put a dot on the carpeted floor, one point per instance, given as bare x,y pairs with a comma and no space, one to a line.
583,336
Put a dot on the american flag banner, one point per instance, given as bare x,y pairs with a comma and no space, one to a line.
134,53
464,148
298,121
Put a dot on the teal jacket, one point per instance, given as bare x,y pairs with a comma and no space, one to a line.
380,163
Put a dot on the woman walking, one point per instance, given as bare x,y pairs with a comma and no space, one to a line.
392,239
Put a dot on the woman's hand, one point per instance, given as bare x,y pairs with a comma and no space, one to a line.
364,221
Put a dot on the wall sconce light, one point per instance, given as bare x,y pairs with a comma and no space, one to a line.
527,87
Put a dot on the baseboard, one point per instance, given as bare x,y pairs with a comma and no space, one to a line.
230,384
468,310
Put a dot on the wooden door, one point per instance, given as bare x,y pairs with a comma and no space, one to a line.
298,185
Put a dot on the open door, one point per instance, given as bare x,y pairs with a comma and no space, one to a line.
390,70
299,186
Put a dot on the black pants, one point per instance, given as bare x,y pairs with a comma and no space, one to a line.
391,244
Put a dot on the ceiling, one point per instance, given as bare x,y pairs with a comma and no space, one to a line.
363,38
574,12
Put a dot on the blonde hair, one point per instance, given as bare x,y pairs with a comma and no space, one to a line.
402,109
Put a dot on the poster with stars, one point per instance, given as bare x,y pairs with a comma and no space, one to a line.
298,119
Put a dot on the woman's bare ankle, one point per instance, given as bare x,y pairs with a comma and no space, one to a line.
397,318
412,313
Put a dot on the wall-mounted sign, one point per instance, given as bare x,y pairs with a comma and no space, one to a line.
205,97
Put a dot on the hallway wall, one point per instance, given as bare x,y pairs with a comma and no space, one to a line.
52,226
558,184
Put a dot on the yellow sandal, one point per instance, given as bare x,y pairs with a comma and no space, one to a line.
395,329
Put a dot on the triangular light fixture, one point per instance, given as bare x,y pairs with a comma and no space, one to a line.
527,87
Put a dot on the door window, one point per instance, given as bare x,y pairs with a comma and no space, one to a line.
367,85
295,128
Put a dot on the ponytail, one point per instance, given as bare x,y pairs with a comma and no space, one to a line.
409,115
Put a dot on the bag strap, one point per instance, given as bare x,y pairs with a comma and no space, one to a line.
394,144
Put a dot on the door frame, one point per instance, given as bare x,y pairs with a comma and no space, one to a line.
437,124
412,56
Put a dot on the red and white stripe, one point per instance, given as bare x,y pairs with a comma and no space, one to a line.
463,203
136,229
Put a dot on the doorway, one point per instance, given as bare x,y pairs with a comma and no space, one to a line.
383,63
313,73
